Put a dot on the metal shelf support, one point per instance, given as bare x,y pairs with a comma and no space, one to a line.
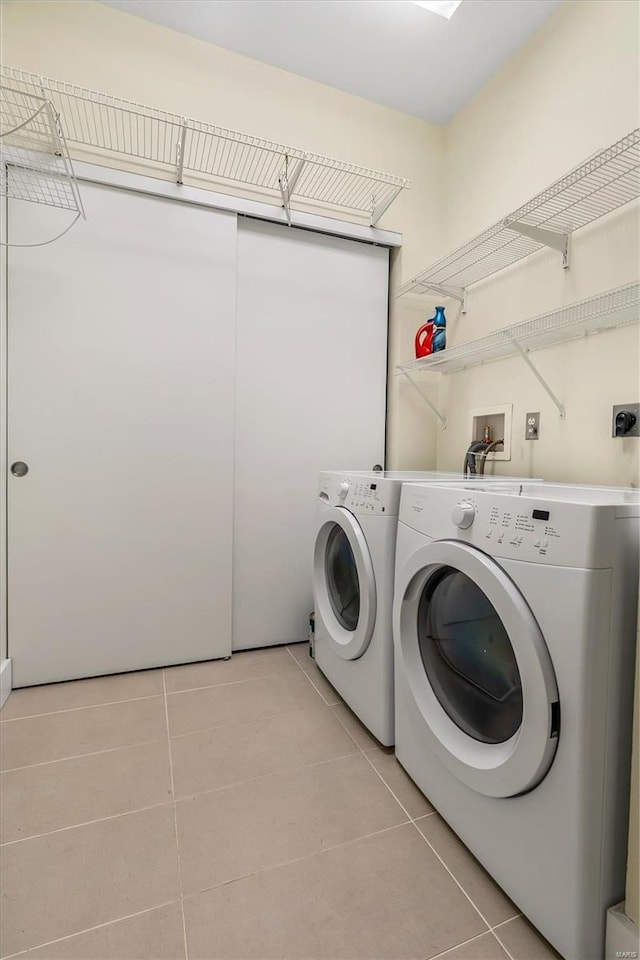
449,290
613,309
377,209
603,183
287,183
559,241
534,370
180,151
439,415
116,129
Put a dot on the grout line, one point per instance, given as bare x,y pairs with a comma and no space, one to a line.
175,821
508,920
457,882
99,926
81,756
150,696
84,823
434,851
464,943
301,668
508,952
226,683
286,771
377,773
413,820
288,863
396,798
234,723
86,706
190,796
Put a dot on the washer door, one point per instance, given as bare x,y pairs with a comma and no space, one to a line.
344,582
478,669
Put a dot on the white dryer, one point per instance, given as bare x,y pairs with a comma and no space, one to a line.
514,625
353,574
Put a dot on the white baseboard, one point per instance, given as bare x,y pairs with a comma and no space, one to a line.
5,680
622,935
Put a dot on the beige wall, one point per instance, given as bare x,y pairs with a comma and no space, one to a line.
572,89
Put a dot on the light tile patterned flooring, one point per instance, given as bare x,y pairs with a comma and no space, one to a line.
230,810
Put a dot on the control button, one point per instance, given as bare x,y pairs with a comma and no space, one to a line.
463,515
544,544
487,536
343,489
500,538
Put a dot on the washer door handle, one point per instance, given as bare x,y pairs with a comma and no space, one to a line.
19,468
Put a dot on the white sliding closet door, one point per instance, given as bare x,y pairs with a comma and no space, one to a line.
310,396
121,379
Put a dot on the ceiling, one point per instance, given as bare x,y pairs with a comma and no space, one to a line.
389,51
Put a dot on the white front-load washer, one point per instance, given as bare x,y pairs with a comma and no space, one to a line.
353,575
514,630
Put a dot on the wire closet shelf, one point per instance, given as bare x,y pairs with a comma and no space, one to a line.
215,156
598,186
615,308
35,160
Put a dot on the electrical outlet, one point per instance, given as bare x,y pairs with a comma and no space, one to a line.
532,431
626,420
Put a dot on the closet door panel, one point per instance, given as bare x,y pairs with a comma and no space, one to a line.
121,377
310,396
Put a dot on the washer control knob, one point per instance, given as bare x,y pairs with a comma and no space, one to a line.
463,515
343,489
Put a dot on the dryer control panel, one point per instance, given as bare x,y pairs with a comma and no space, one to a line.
513,525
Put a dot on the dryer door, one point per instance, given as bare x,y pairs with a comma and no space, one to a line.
344,583
478,668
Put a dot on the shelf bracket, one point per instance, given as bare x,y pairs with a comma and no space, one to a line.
287,183
447,290
441,418
525,356
378,209
180,151
549,238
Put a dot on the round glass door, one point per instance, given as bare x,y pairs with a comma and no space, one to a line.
477,667
468,657
343,585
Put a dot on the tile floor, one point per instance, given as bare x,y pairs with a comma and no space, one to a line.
228,810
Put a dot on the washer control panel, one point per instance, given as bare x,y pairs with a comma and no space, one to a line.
363,495
366,496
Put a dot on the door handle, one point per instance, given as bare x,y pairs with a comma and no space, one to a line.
19,468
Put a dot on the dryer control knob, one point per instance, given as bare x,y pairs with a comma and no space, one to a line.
343,489
463,515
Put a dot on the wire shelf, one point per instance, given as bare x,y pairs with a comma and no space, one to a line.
33,153
225,158
598,186
615,308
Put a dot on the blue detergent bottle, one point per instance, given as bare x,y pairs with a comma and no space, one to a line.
439,330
